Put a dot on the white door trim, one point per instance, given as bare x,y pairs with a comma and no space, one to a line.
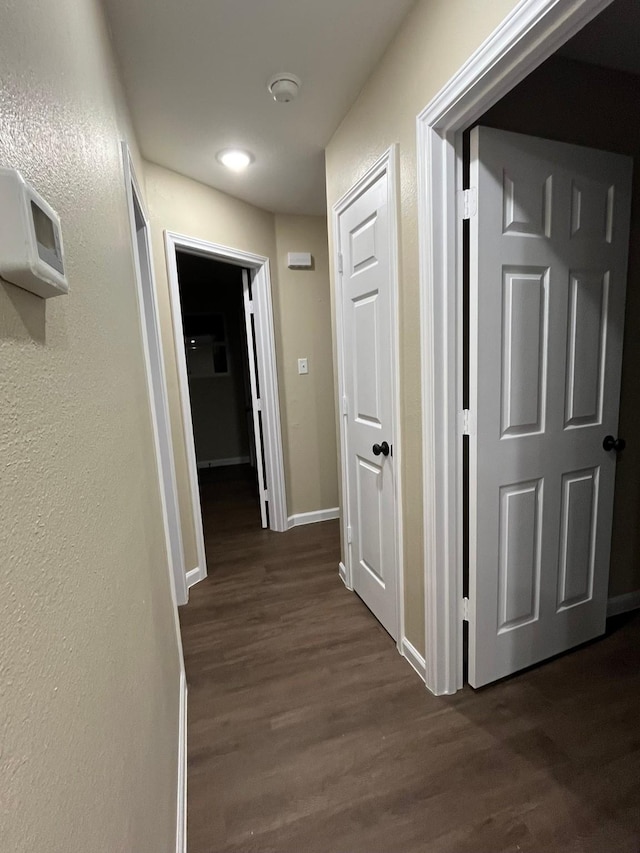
181,802
266,357
531,33
387,163
157,388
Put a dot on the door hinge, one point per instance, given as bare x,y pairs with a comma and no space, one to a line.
345,405
258,405
265,494
467,425
340,262
349,534
250,306
465,609
469,203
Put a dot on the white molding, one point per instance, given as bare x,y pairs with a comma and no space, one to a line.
342,571
386,163
533,31
313,517
156,381
194,576
623,603
185,402
223,463
409,651
266,357
181,805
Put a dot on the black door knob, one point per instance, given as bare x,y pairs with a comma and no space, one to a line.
381,448
611,443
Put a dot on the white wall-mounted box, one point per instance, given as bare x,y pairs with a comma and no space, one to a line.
299,260
31,252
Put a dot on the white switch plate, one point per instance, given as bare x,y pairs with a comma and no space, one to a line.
303,365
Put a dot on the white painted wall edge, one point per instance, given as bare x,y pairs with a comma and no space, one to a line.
409,651
623,603
181,808
194,576
221,463
313,517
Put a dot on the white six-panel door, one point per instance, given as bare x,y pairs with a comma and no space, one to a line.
366,282
548,268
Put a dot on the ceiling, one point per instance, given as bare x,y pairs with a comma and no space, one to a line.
196,71
611,40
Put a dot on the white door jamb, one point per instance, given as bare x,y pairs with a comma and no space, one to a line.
388,163
266,358
528,36
156,381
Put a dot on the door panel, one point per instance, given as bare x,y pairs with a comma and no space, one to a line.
365,354
367,317
548,257
524,310
589,297
519,560
579,512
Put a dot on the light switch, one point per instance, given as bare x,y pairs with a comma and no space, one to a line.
303,365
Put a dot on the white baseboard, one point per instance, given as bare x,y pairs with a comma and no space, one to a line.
342,571
623,603
194,576
222,463
313,517
414,657
181,810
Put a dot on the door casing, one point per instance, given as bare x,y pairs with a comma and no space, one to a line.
529,35
386,164
258,265
157,389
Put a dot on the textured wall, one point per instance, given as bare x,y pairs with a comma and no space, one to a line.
538,106
89,662
179,204
305,321
433,42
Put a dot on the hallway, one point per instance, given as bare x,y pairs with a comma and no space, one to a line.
308,732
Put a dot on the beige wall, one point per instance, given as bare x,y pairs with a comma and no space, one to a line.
434,41
604,113
185,206
311,456
89,659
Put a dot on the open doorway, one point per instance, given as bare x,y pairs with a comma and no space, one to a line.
210,362
219,345
595,536
559,102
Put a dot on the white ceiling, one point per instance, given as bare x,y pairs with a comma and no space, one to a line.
196,72
611,40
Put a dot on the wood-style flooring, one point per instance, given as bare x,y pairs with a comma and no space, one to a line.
308,733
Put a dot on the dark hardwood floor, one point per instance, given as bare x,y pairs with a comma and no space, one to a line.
308,732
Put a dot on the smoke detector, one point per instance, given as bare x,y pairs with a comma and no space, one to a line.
284,87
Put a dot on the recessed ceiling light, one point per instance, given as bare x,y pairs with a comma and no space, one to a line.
235,159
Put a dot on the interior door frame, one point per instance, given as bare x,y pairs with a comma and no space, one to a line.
156,384
267,369
386,164
529,35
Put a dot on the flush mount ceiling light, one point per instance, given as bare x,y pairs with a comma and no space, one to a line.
284,86
235,159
